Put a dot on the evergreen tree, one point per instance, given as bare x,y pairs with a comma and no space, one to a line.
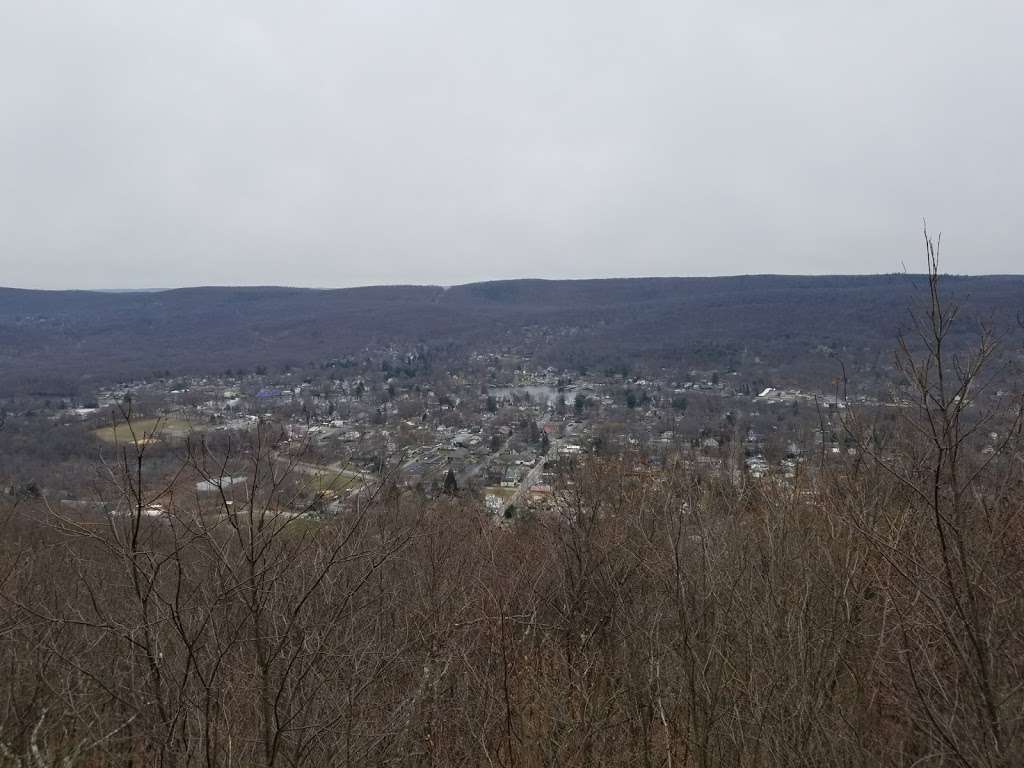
451,485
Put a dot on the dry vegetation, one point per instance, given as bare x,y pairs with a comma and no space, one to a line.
868,614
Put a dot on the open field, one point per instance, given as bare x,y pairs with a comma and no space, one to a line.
497,490
333,478
146,430
339,481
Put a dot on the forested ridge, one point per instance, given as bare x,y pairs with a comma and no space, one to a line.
57,342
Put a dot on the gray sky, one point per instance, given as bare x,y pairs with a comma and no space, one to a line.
158,144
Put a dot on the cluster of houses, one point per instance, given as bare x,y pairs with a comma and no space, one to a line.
454,424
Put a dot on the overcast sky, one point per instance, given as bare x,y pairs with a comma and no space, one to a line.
159,144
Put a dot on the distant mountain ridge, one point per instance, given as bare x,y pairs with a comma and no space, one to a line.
53,342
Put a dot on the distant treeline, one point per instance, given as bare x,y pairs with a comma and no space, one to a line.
58,342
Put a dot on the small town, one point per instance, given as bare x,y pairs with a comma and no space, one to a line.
494,429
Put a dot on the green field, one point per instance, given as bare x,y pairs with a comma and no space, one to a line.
497,490
341,480
144,430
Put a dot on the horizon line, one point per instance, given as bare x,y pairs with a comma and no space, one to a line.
447,286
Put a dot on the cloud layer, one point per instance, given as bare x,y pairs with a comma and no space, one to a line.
345,143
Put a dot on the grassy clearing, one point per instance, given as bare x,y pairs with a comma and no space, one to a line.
497,490
330,479
335,478
144,430
338,483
